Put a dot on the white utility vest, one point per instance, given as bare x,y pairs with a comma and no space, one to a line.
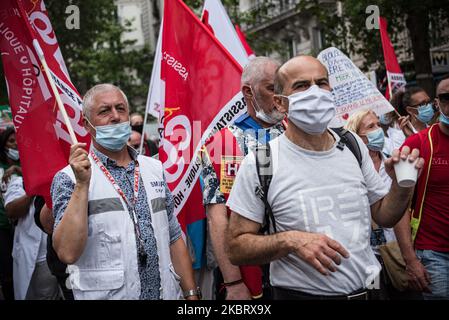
108,267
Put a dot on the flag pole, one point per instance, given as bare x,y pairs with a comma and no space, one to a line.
143,130
40,53
157,58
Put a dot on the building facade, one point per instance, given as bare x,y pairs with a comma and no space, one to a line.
145,17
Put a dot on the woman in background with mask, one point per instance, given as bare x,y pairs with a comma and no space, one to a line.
367,125
414,105
9,164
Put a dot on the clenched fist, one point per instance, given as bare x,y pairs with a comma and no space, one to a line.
80,163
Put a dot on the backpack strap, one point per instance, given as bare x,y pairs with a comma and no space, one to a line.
264,167
348,139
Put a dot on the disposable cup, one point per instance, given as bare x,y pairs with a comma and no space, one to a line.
406,173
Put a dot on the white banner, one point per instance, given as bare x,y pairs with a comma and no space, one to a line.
351,89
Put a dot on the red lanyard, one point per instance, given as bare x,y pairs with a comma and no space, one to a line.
115,185
122,194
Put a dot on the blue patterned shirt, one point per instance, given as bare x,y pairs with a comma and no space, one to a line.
249,134
61,192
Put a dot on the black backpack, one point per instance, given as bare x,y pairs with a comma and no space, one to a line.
265,171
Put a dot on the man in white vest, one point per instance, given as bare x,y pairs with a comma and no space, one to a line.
114,221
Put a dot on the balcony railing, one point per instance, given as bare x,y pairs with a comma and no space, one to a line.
265,10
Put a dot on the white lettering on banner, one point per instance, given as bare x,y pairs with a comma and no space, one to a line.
176,65
14,43
26,72
39,75
396,81
184,132
46,36
43,20
351,89
226,116
63,133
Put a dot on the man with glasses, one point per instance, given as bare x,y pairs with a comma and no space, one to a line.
423,233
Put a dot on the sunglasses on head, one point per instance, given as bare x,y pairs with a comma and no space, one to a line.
443,97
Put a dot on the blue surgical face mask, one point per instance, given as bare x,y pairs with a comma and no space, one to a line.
444,118
13,154
376,140
271,118
425,113
113,137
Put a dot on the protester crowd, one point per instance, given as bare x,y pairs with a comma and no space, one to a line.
314,213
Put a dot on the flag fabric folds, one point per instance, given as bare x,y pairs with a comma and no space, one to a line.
396,79
42,136
202,96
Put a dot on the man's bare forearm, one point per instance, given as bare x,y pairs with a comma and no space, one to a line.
182,263
218,223
70,235
18,208
402,231
259,249
392,207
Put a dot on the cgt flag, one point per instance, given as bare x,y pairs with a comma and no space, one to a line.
202,96
396,79
43,138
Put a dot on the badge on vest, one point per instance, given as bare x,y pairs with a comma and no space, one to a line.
229,167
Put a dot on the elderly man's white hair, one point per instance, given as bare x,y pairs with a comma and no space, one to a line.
254,70
88,99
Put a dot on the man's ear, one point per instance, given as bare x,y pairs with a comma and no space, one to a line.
280,103
88,126
247,92
85,123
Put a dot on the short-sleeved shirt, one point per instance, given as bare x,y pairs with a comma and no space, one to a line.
321,192
248,134
433,231
62,189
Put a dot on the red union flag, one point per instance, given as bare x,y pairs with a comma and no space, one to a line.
202,96
43,138
396,79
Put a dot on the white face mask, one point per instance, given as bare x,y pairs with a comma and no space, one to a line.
273,118
311,110
13,154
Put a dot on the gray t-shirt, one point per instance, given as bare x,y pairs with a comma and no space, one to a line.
321,192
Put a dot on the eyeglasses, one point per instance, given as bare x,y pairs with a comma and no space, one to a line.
422,104
444,97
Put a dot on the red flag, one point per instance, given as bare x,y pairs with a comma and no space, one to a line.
396,79
245,44
42,137
202,95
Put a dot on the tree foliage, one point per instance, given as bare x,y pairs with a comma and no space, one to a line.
96,53
420,22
